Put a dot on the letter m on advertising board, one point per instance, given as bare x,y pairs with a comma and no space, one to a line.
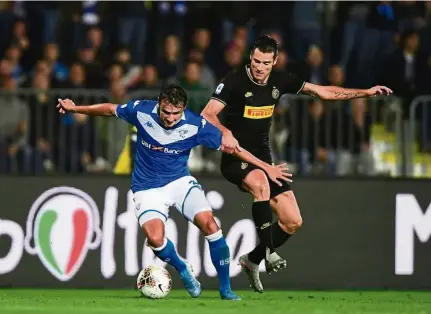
410,221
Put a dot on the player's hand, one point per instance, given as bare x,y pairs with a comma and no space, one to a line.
65,105
229,143
279,172
378,91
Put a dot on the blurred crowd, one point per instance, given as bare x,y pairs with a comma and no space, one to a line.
126,48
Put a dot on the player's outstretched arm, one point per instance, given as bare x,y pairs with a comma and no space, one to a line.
337,93
210,113
275,173
104,109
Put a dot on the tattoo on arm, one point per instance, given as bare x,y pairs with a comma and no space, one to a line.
348,94
333,92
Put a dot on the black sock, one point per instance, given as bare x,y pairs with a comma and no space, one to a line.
279,237
262,216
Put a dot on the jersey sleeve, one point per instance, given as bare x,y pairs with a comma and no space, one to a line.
128,112
223,91
208,135
291,84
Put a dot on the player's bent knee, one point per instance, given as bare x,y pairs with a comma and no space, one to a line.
155,233
291,226
257,184
206,222
156,240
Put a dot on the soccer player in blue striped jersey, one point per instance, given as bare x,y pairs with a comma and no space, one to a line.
167,132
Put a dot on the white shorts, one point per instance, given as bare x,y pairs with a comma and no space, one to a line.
185,194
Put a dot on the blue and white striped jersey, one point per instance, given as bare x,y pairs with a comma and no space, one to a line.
162,153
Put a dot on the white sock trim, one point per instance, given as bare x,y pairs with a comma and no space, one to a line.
215,236
165,242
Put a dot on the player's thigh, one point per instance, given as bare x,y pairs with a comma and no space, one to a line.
287,210
234,170
256,182
151,204
190,201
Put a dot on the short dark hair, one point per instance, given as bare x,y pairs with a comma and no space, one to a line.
174,95
266,44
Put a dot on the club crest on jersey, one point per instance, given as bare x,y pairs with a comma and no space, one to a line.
275,93
244,165
263,112
183,133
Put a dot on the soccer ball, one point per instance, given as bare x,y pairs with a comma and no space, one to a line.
154,282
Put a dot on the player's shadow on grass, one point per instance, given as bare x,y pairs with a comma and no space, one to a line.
185,297
120,297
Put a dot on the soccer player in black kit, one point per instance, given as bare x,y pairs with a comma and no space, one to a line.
248,97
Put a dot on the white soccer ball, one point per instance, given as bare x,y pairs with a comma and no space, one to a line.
154,282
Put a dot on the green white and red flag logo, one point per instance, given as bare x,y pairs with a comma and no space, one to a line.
63,224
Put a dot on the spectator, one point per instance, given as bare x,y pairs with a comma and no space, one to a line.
336,75
310,69
305,27
198,94
170,64
13,55
113,131
201,42
93,68
115,75
201,39
170,19
282,60
45,68
43,122
133,22
351,131
19,35
406,69
149,79
377,42
240,40
207,77
131,72
232,60
51,55
308,141
5,71
51,16
77,78
15,154
95,40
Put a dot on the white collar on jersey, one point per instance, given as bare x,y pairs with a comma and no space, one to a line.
183,117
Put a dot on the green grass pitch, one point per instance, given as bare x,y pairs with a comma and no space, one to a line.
271,302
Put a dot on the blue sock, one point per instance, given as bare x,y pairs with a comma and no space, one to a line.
220,256
167,253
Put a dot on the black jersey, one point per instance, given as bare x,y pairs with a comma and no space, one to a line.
250,105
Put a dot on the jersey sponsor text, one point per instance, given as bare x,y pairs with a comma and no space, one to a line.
251,112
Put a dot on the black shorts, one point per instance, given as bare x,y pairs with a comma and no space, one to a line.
235,170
